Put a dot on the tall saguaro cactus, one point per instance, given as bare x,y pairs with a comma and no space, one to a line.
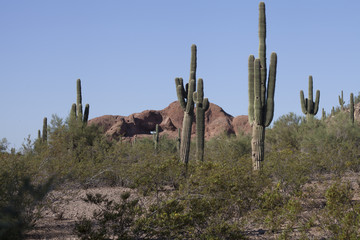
352,109
76,109
185,97
261,98
341,100
308,106
202,105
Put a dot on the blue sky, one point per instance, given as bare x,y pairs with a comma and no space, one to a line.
127,54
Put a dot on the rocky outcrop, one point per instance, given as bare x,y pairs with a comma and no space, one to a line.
217,121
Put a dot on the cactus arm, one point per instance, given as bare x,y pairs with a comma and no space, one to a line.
206,104
86,113
303,103
251,88
190,102
73,112
257,93
271,90
195,97
317,101
180,92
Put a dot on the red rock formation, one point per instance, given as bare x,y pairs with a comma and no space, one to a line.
170,119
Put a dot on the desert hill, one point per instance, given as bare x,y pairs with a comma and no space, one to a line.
217,121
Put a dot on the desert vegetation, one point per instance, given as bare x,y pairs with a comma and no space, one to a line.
307,186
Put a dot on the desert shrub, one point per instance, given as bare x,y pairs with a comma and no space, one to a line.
284,133
113,220
291,168
341,216
227,147
19,195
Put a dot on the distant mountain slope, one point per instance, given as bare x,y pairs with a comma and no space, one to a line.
169,119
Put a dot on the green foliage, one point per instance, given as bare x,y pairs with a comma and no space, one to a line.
19,196
341,215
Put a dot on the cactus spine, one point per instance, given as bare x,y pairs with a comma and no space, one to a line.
185,97
341,101
77,109
202,105
156,137
44,134
352,109
261,98
308,106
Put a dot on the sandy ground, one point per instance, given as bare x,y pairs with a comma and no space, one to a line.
63,208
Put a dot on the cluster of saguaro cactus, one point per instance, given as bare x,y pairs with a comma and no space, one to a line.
261,98
156,137
308,106
202,105
76,109
341,100
352,108
185,98
43,138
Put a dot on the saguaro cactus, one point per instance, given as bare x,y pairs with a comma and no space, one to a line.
156,137
202,105
323,115
308,106
352,109
76,109
185,97
341,100
44,134
261,98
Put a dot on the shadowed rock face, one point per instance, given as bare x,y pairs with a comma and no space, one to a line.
170,119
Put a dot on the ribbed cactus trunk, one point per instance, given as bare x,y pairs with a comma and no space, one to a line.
258,145
186,138
261,98
308,106
202,105
185,97
178,140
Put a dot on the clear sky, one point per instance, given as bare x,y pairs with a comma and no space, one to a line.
127,54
